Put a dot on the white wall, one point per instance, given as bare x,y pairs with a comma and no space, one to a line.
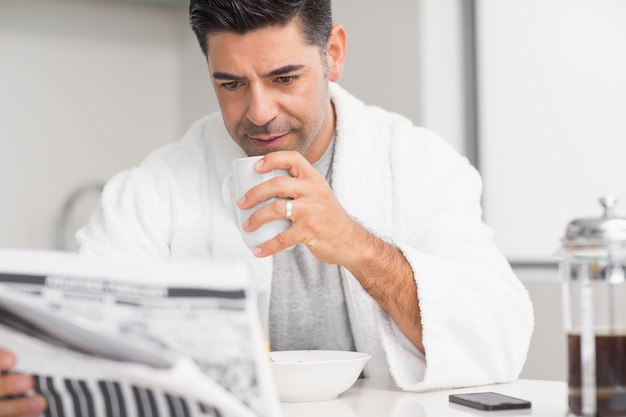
442,69
547,354
88,88
382,67
552,109
406,56
196,92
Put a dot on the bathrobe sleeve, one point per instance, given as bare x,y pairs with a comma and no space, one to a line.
164,208
476,315
416,192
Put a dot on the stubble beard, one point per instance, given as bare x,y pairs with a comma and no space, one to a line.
301,143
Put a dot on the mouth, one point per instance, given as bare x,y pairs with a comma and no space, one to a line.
269,142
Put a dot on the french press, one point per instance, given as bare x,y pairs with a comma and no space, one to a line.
592,268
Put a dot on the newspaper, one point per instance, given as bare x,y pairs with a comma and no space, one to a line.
159,339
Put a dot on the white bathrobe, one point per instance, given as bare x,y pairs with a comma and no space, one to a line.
401,182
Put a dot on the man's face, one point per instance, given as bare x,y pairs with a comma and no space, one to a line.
272,88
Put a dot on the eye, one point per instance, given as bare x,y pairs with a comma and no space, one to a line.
232,85
287,79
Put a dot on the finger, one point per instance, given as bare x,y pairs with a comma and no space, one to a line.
15,384
7,360
279,243
31,405
279,186
277,160
275,210
292,161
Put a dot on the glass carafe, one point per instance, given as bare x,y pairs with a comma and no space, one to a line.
592,269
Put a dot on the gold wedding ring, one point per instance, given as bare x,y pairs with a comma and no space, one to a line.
288,209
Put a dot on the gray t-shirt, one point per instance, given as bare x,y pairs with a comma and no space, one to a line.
307,305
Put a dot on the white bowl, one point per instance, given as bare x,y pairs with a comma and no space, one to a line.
315,375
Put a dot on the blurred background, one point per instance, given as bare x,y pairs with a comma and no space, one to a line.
532,91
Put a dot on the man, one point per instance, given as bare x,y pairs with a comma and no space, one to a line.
391,255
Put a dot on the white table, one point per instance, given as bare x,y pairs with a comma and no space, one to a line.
379,397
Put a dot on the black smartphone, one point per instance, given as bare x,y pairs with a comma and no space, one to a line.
489,401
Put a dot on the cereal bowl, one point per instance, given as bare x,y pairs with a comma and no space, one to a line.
315,375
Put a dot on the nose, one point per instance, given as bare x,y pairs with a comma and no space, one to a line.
262,107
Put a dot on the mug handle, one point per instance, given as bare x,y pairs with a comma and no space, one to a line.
228,197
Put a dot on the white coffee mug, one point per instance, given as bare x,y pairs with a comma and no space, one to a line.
236,185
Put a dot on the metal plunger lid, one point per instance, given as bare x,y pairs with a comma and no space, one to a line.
603,236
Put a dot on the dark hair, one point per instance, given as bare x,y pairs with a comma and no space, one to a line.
242,16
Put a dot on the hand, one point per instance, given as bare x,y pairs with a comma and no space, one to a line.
319,220
17,385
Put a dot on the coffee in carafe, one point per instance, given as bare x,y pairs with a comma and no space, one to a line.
593,272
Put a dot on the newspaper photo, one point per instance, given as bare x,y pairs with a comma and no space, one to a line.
160,339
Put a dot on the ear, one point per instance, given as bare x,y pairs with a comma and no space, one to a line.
336,51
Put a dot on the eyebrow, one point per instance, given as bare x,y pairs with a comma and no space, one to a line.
219,75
